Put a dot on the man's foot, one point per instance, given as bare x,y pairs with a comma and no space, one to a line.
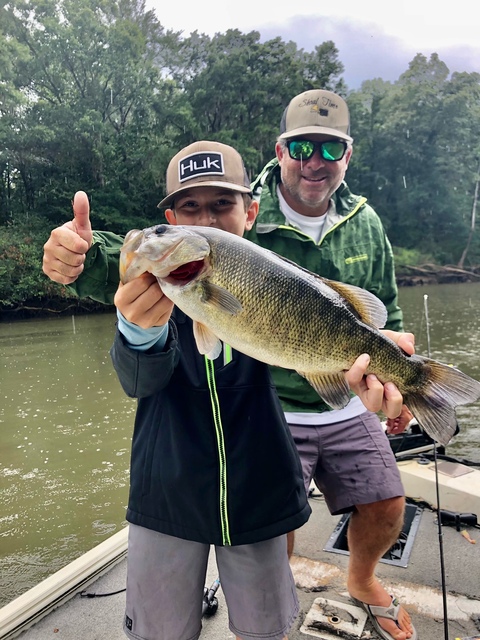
399,628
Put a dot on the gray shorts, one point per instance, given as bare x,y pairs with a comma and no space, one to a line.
351,462
166,578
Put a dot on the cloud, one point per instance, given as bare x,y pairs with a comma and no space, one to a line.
365,50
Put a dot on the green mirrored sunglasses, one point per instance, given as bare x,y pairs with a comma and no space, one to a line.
330,150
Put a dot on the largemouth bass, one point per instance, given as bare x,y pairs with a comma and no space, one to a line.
275,311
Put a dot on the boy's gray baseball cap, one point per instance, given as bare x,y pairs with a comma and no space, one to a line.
316,112
205,164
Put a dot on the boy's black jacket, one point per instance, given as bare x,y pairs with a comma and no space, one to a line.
237,481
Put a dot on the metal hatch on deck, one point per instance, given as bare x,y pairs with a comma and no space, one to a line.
329,620
398,554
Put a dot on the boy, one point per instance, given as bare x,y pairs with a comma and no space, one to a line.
213,461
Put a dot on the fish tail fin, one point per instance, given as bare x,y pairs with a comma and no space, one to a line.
434,405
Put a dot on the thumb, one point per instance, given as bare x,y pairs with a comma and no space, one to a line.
81,213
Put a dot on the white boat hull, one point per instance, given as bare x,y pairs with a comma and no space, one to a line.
459,485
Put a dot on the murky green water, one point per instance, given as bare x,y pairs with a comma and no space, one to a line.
65,428
454,315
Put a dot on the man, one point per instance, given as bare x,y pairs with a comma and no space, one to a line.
308,214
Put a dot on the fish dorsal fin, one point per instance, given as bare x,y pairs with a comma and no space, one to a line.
218,297
362,303
207,342
331,387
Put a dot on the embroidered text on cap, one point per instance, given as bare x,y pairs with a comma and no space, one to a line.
200,164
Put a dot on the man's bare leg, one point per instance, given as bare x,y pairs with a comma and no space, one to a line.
373,529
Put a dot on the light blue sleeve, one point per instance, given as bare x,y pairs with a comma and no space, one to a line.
142,339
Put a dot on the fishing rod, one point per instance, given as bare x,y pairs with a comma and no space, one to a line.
437,489
209,603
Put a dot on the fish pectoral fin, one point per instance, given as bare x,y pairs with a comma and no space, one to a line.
218,297
207,342
331,387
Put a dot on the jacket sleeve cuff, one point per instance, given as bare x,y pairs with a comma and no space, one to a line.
153,338
144,374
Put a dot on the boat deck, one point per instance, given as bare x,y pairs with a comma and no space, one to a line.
320,575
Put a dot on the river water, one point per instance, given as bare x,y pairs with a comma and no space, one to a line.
65,427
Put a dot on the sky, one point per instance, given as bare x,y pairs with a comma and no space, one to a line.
375,38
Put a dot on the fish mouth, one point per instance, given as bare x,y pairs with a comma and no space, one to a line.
185,273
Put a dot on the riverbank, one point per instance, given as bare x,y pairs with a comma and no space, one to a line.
53,308
431,274
406,276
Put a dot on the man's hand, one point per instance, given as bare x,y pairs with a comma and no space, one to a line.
375,395
142,302
406,341
395,426
64,252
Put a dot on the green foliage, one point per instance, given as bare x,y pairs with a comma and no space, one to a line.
417,157
96,95
24,289
21,278
237,88
410,257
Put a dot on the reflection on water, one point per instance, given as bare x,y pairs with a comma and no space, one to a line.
454,312
66,425
64,448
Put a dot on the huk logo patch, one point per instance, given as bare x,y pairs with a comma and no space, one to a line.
128,623
206,163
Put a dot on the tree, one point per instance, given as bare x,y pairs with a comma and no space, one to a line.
94,91
366,172
415,130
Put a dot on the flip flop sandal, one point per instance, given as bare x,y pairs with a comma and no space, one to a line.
391,612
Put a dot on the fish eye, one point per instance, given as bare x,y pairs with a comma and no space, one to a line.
161,229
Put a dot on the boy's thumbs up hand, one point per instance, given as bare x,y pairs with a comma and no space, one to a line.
64,252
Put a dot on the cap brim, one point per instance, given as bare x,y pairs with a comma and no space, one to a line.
168,200
315,130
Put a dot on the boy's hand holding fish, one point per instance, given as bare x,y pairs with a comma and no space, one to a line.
142,302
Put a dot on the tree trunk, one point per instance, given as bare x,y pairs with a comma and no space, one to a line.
472,227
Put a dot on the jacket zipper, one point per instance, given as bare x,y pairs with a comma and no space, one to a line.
340,222
217,420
